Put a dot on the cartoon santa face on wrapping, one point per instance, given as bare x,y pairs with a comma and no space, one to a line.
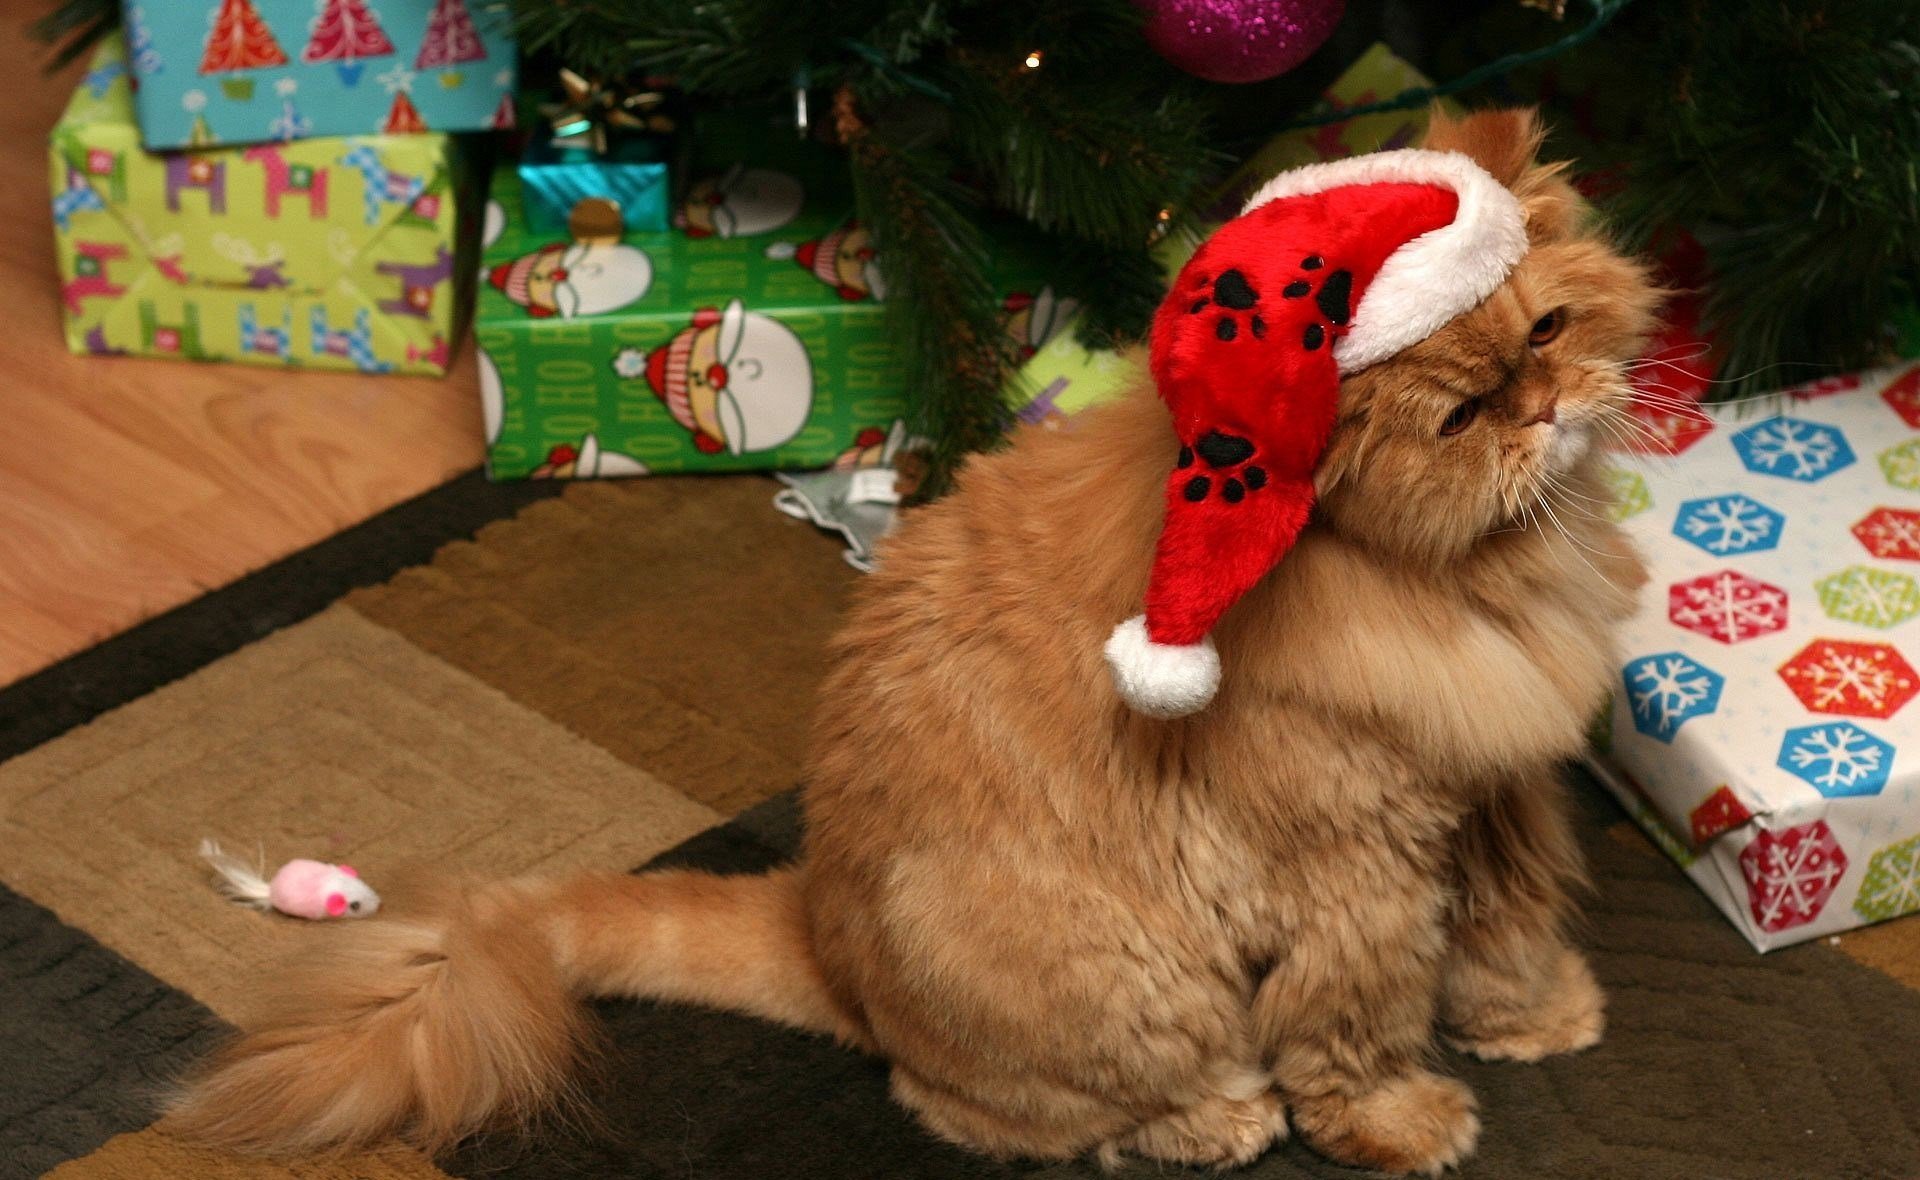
843,259
1330,268
586,461
738,381
1032,320
575,278
593,274
740,204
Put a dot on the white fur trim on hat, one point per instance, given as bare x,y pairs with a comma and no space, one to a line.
1438,275
1162,679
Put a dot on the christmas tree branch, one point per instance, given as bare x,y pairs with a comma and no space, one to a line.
734,47
940,300
73,27
1782,139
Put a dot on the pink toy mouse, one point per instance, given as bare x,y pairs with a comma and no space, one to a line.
302,888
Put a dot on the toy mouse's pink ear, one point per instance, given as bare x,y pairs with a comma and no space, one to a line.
349,870
336,904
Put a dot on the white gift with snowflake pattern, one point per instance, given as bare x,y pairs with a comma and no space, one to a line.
1769,674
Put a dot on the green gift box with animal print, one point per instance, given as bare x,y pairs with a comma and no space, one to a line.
321,253
752,335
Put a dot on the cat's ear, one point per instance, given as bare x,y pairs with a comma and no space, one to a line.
1503,141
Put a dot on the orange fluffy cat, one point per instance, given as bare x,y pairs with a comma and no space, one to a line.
1073,929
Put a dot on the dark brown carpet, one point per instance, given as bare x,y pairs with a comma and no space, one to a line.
85,1040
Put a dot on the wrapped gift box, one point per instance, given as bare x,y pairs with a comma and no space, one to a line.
1764,730
751,336
252,71
334,253
624,142
633,174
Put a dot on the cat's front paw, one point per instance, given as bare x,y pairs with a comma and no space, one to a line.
1219,1132
1567,1014
1418,1123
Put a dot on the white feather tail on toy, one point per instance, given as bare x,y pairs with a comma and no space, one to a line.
238,881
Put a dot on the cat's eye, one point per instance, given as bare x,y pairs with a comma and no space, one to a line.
1461,417
1547,327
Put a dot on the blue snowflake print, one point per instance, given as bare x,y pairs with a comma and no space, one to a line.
1793,448
1728,524
1837,760
1667,690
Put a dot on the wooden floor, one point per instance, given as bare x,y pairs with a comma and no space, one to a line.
130,486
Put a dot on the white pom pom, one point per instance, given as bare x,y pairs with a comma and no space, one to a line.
1162,679
781,250
628,363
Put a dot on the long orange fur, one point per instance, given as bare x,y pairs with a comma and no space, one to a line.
1074,930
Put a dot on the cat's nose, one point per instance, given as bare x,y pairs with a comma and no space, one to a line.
1548,412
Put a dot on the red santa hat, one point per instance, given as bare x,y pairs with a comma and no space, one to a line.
511,278
821,257
667,374
1329,269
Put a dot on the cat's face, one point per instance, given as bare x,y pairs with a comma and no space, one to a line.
1476,429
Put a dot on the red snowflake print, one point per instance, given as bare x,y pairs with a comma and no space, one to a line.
1891,533
1790,874
1719,812
1822,387
1727,606
1668,383
1666,430
1904,396
1851,679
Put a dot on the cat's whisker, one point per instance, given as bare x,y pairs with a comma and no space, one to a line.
1586,512
1574,546
1620,416
1571,494
1631,433
1691,352
1641,364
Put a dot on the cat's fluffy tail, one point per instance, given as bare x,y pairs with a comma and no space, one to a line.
430,1027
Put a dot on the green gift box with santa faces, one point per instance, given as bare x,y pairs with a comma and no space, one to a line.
750,336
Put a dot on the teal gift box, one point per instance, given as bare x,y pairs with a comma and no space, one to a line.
250,71
633,175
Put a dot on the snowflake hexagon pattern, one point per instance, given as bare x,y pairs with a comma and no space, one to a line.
1837,760
1669,430
1901,465
1870,597
1719,812
1892,884
1727,606
1728,524
1903,395
1890,533
1822,387
1630,494
1851,679
1790,874
1793,448
1667,690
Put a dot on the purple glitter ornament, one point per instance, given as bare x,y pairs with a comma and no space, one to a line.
1239,40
